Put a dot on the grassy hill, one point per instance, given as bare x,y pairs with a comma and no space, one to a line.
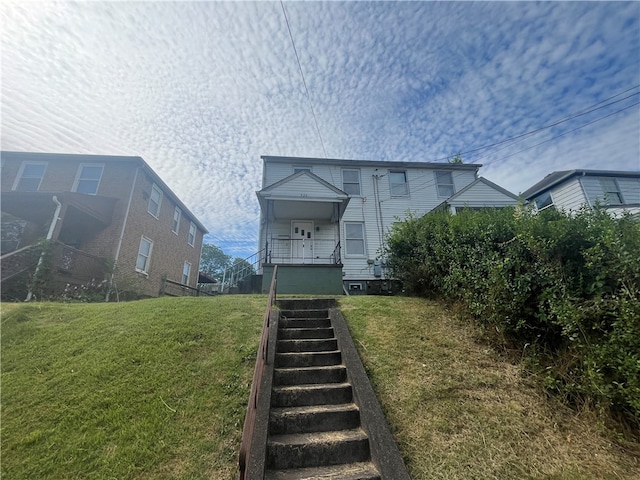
157,389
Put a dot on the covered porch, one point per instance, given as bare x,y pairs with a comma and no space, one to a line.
300,232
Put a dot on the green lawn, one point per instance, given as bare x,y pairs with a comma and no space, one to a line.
157,389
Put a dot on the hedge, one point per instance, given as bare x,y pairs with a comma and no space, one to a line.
566,288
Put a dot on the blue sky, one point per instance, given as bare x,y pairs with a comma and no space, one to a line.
201,90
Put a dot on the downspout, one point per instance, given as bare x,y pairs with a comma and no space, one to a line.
124,225
52,227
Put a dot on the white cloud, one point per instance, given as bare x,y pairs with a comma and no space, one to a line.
201,90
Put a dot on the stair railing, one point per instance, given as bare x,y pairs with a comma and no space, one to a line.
261,361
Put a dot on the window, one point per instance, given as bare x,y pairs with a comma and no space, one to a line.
30,176
398,183
88,179
612,195
351,182
155,199
177,213
444,182
354,236
185,273
301,169
544,201
192,234
144,255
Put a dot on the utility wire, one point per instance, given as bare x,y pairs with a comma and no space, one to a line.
564,133
591,108
295,50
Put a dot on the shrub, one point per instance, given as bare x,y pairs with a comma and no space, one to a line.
566,285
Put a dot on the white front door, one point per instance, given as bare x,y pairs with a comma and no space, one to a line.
301,242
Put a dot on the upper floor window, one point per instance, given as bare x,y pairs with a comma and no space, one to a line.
354,238
177,213
398,183
155,199
144,255
192,234
186,270
611,191
444,182
351,181
88,179
301,169
544,201
30,176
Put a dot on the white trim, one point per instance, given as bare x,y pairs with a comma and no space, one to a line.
301,168
126,215
364,241
179,212
438,184
16,182
357,170
188,273
147,262
78,173
195,234
159,190
406,183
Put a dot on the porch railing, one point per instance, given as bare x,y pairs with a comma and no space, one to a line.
248,430
18,261
303,251
78,264
172,288
243,269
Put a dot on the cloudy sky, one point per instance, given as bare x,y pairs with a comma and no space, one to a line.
201,90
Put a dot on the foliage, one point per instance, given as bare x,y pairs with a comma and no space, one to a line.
457,158
213,261
567,287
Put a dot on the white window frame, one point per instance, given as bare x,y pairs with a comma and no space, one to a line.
347,240
157,189
607,192
302,168
345,183
405,183
187,267
440,184
191,239
23,166
79,178
546,204
177,215
147,261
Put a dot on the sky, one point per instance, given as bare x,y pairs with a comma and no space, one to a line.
201,90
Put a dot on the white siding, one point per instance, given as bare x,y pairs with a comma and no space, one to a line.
569,196
630,189
483,195
303,186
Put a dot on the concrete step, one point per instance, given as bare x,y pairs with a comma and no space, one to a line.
304,323
302,450
312,313
322,394
306,375
347,471
308,359
318,418
323,345
305,333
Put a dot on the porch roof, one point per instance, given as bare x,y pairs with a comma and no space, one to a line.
303,195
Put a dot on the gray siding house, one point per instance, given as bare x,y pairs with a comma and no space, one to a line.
323,221
571,190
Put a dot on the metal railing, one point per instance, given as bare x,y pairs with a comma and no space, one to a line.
18,261
239,271
172,288
78,264
261,361
303,251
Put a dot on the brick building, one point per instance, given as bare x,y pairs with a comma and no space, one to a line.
98,211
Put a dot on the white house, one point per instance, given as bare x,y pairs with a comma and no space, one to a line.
570,190
323,221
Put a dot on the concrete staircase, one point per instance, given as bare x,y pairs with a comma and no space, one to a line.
314,427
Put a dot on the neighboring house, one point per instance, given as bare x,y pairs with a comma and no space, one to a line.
571,190
323,221
98,211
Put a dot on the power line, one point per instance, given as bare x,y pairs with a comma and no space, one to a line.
564,133
295,50
589,109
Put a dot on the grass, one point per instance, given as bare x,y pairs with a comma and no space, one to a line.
140,390
458,411
157,389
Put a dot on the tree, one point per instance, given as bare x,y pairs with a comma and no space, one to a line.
457,158
214,261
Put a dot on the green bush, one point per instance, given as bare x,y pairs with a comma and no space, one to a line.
567,286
